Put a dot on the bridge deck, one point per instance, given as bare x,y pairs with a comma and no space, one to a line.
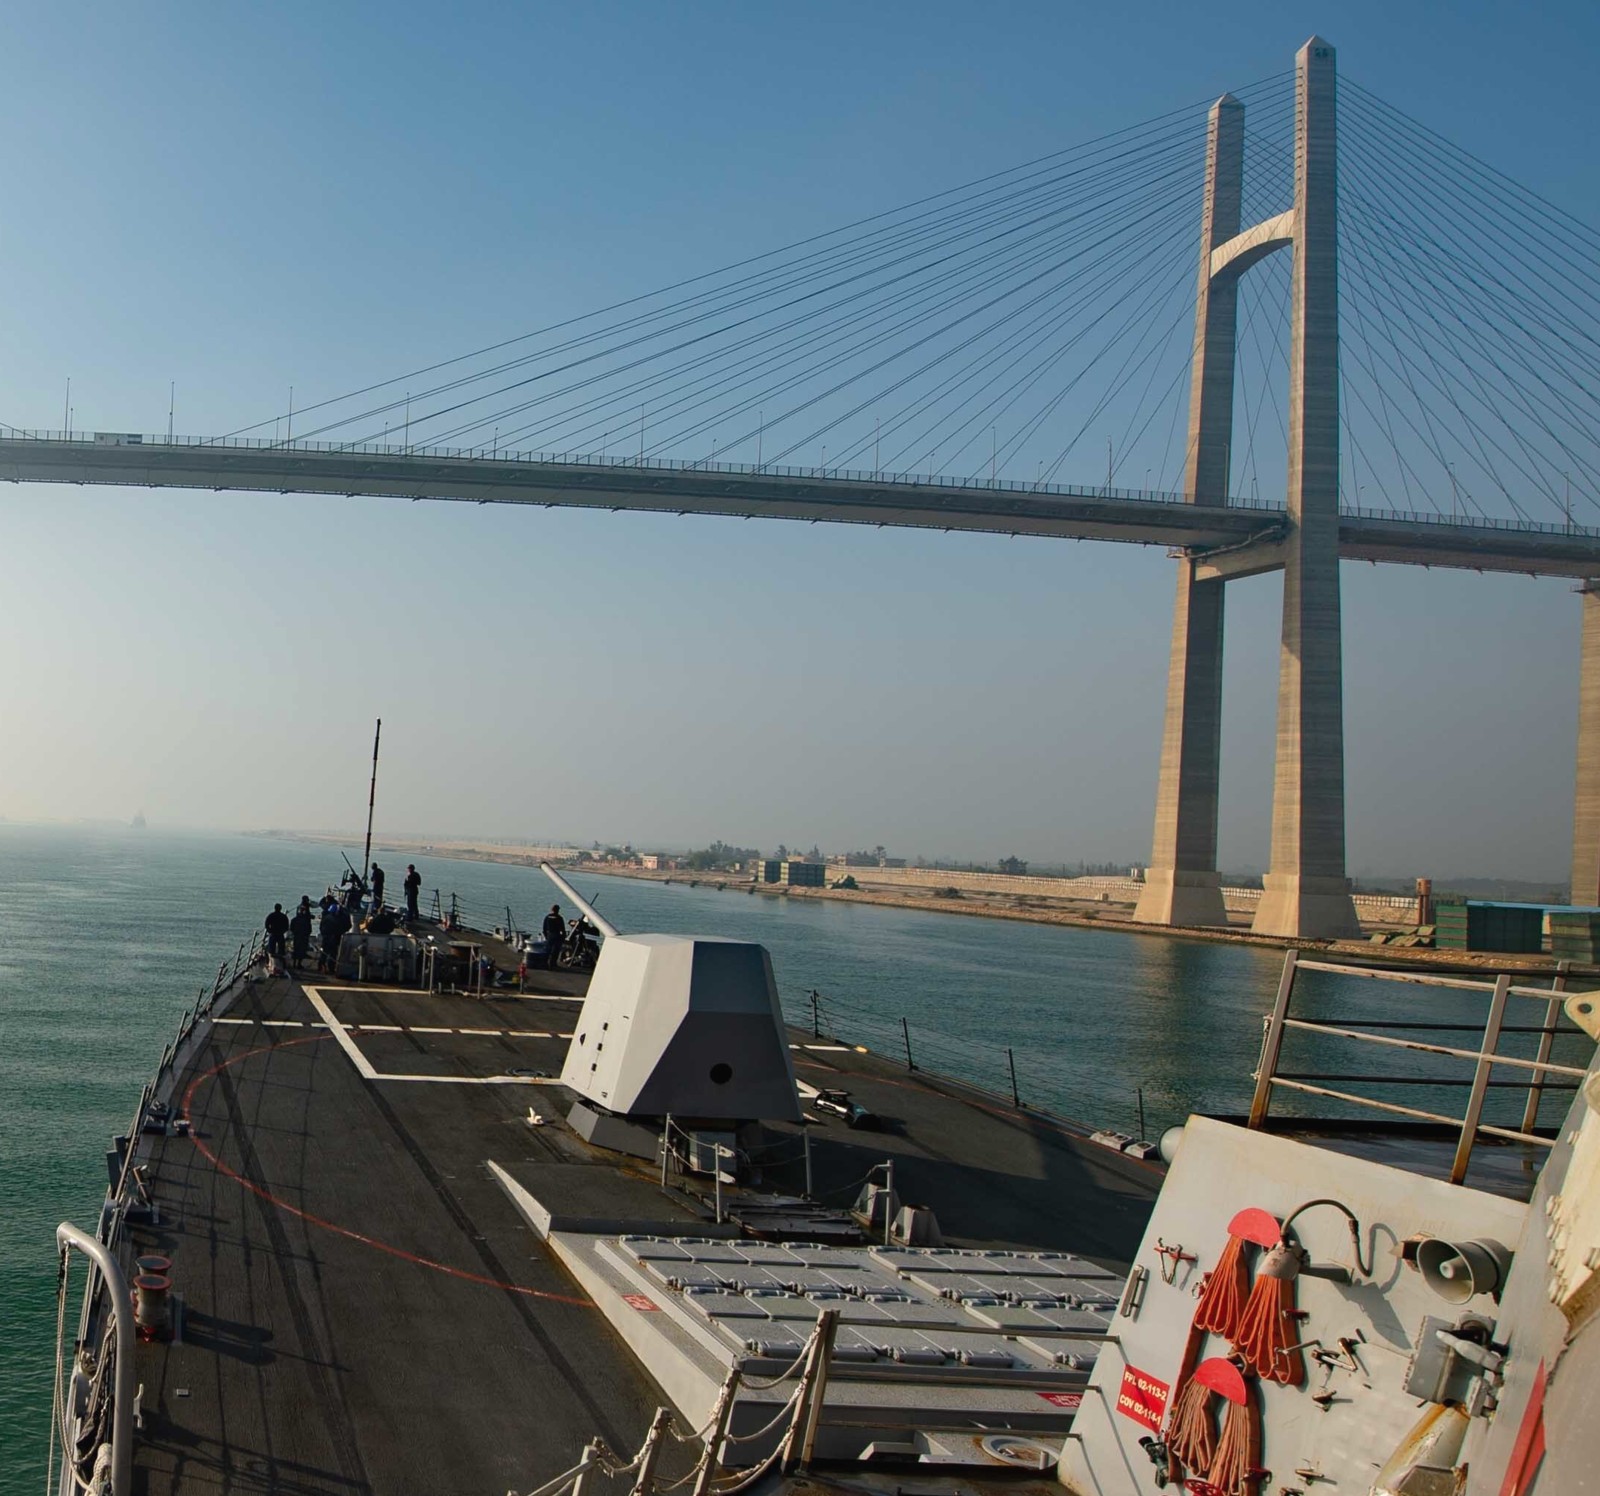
1243,537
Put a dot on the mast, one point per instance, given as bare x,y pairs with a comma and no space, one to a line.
372,796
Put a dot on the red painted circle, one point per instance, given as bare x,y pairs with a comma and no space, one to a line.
333,1226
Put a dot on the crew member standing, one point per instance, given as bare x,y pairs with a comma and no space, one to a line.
413,887
334,925
377,887
277,926
555,929
300,933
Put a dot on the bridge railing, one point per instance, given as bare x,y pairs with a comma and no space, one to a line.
770,470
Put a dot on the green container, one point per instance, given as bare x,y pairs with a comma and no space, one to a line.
1516,929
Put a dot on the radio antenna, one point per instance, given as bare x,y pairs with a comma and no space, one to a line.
372,796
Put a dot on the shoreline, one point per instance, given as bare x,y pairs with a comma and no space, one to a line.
1074,913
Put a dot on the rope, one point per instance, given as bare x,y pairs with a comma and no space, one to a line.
761,1384
767,1428
749,1479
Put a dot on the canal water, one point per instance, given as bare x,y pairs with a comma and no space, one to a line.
108,934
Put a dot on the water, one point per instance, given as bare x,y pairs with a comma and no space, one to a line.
106,935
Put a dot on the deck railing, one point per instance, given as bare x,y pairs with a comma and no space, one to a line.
1536,1073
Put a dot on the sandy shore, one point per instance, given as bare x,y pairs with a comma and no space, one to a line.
1078,912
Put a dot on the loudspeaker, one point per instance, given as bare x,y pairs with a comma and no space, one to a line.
1457,1271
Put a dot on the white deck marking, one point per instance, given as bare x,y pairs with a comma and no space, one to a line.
417,1030
483,1033
342,1034
806,1091
827,1048
378,1028
281,1023
233,1020
478,1080
527,1033
364,1067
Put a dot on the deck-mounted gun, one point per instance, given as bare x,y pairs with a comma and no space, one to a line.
680,1026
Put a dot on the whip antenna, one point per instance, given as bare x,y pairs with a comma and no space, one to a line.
372,796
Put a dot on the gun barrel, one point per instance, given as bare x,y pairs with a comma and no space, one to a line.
599,921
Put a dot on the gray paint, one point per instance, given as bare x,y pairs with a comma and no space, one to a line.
685,1026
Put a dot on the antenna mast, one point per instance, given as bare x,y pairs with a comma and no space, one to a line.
372,796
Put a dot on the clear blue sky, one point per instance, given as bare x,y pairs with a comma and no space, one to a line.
241,200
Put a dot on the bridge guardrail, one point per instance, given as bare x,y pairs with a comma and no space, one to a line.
768,470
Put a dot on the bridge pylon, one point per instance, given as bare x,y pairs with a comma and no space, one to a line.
1586,801
1182,886
1306,891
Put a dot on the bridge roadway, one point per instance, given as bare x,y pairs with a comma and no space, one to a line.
1229,542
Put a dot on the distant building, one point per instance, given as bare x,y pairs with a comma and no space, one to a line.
800,874
766,869
653,861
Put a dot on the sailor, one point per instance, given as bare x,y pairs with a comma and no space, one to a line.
334,923
277,926
300,933
377,886
413,887
555,930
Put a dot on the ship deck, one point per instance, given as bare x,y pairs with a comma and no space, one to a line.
362,1308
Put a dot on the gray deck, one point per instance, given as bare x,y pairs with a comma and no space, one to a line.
364,1309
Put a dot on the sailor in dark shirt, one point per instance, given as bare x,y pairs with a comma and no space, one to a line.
300,931
555,930
334,924
277,926
377,886
412,886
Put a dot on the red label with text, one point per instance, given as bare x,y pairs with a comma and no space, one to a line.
1063,1399
639,1301
1143,1398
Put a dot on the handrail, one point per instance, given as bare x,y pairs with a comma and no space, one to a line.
1421,978
68,1235
1453,1051
1484,1058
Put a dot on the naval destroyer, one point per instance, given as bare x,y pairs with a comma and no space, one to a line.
398,1228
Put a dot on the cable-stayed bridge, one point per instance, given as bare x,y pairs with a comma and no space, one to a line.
1413,381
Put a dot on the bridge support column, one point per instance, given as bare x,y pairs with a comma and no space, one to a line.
1306,891
1181,884
1586,803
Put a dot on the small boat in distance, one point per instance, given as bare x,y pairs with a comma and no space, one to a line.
138,821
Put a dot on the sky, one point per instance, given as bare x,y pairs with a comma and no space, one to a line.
238,201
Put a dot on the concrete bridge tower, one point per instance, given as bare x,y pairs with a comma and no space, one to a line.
1307,893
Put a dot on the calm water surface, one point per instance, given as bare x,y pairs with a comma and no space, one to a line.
106,935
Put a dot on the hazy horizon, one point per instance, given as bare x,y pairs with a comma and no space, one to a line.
353,837
316,198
